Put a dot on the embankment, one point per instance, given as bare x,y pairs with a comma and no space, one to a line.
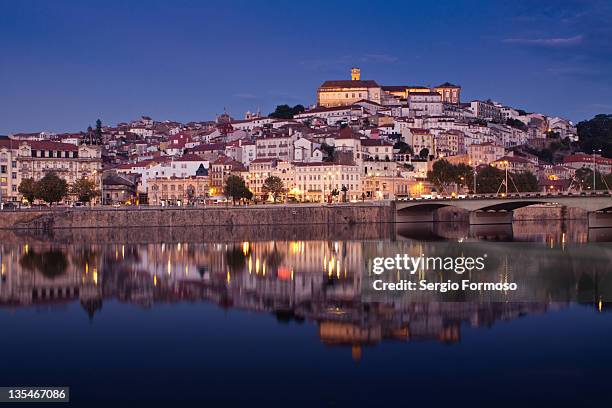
71,218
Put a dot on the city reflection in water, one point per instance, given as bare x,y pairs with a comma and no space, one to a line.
302,274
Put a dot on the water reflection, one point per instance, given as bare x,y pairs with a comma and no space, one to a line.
318,278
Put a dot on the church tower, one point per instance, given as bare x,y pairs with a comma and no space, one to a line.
355,74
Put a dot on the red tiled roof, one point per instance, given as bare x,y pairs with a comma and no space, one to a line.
39,145
347,83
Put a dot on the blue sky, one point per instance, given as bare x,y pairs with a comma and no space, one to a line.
63,64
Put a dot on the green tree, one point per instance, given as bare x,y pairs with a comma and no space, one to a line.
424,153
27,188
583,179
595,134
523,182
442,173
489,179
51,188
286,111
236,188
515,123
273,185
403,147
98,132
85,190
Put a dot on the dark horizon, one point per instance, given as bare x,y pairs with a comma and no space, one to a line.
68,64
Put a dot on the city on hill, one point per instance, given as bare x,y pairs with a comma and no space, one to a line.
361,141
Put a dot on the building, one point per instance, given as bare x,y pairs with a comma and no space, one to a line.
220,170
118,189
425,104
580,160
420,139
514,164
451,143
184,166
275,146
377,149
21,159
306,150
179,190
450,93
485,153
315,182
347,92
486,110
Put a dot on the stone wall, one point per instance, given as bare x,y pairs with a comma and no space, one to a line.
72,218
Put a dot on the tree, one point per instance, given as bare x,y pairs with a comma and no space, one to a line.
595,134
424,153
98,132
329,151
85,190
344,192
403,147
236,188
523,182
190,193
286,111
515,123
489,179
51,188
584,179
27,188
335,193
442,173
273,185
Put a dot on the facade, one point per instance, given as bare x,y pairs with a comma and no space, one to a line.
275,147
578,161
420,139
514,164
486,110
450,93
118,189
220,170
178,190
347,92
184,166
485,153
377,149
34,159
314,182
425,104
451,143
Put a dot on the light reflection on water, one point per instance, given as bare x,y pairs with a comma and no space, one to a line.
299,275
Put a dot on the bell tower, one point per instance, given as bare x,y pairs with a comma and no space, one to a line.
355,74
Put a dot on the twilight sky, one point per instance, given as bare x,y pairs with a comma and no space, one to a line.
63,64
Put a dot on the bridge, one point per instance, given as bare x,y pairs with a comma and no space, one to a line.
497,208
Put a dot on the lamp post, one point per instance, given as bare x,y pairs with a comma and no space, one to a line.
506,164
474,169
595,167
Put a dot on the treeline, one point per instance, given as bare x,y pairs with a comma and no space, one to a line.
488,179
53,189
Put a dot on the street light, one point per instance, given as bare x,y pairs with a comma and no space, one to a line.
595,167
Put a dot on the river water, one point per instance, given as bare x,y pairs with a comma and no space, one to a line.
285,315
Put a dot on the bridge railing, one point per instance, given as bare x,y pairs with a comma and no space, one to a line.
601,193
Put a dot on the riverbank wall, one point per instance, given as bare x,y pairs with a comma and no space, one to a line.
261,215
72,218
